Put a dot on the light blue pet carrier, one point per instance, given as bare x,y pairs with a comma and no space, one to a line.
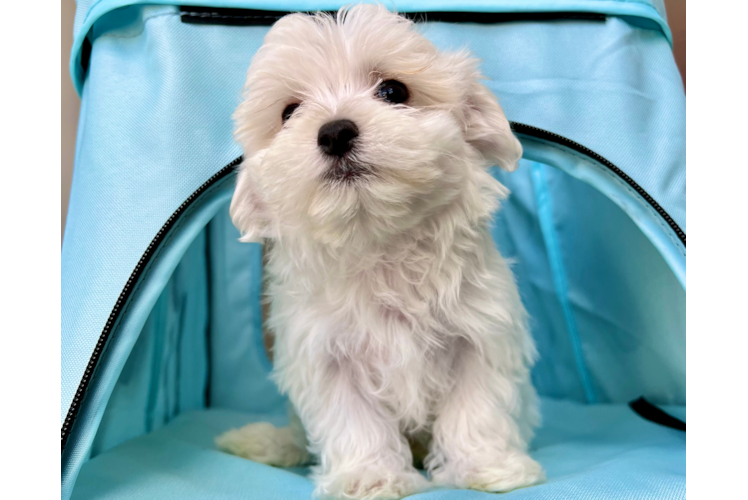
162,344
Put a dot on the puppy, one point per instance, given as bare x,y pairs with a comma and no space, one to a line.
396,319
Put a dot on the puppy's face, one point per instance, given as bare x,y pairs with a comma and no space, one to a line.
357,129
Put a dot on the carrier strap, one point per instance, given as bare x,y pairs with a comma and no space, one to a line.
650,412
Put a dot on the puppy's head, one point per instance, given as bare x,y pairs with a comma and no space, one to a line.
356,129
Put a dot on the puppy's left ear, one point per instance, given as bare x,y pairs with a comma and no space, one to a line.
487,129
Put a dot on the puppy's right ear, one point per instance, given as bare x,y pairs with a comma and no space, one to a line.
248,211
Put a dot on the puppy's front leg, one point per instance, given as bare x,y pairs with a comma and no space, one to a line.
480,432
361,451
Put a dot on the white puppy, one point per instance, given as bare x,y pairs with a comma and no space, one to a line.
366,155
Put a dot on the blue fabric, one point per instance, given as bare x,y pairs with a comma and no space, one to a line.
167,371
612,88
638,210
150,137
645,13
239,364
589,452
627,306
144,296
556,261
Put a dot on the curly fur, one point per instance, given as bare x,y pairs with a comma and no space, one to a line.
394,314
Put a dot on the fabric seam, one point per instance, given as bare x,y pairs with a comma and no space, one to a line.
558,270
145,20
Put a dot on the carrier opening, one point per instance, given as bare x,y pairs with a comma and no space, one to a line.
607,313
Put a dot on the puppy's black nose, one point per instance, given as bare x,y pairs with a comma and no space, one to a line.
336,138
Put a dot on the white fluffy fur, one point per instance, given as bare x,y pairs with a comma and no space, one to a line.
394,313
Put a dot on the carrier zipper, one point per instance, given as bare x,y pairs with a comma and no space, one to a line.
127,291
519,128
539,133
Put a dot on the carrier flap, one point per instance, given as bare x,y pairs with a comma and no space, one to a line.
644,13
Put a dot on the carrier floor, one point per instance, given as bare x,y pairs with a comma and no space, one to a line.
589,452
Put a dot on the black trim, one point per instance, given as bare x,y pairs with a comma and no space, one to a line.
126,293
648,411
251,17
539,133
85,53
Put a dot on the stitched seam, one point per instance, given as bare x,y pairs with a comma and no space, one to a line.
627,187
550,237
165,14
90,9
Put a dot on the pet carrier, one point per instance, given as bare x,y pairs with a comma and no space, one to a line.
161,315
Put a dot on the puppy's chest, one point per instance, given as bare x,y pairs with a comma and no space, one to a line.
393,300
383,323
384,304
388,319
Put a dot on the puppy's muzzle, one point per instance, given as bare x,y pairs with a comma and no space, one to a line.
336,138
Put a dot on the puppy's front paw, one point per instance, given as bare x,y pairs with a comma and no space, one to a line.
263,442
516,471
370,485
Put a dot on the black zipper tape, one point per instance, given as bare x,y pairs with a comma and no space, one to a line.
648,411
251,17
126,293
539,133
93,362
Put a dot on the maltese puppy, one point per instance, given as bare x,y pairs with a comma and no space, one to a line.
396,320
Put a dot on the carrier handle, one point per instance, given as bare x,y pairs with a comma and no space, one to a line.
650,412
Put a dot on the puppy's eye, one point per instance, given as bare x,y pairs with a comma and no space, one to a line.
289,111
393,92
